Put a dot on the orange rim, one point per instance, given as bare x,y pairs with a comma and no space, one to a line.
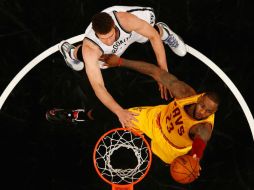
130,185
122,187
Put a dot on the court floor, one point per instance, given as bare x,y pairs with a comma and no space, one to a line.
40,155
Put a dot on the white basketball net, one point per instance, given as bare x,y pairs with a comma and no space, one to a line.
112,142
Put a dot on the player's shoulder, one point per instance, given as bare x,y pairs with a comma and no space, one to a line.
203,129
89,44
125,16
204,124
90,48
199,127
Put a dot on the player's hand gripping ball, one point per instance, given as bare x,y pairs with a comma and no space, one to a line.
185,169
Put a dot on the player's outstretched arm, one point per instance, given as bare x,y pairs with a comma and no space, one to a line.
178,89
96,80
130,22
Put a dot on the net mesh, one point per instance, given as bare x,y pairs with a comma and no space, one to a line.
114,142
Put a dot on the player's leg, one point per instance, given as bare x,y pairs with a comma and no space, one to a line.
167,35
176,44
71,55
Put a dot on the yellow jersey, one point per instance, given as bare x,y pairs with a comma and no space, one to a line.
168,127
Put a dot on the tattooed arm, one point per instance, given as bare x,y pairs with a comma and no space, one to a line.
178,88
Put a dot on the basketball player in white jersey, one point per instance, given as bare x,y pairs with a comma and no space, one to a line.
111,32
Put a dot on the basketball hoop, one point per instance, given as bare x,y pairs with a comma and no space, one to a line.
106,160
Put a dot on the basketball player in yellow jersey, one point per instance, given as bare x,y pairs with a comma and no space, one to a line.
184,125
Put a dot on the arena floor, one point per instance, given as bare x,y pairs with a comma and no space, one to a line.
39,155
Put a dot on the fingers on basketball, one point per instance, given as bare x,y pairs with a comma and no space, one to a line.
184,169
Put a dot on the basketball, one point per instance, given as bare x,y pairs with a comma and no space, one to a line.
184,169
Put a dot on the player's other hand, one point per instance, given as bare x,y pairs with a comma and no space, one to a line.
165,93
196,158
126,117
111,60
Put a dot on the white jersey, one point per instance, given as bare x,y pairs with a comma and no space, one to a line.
125,38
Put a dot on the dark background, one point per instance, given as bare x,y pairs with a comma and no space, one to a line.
39,155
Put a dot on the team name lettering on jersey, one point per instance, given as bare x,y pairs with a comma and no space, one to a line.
174,120
152,18
119,43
